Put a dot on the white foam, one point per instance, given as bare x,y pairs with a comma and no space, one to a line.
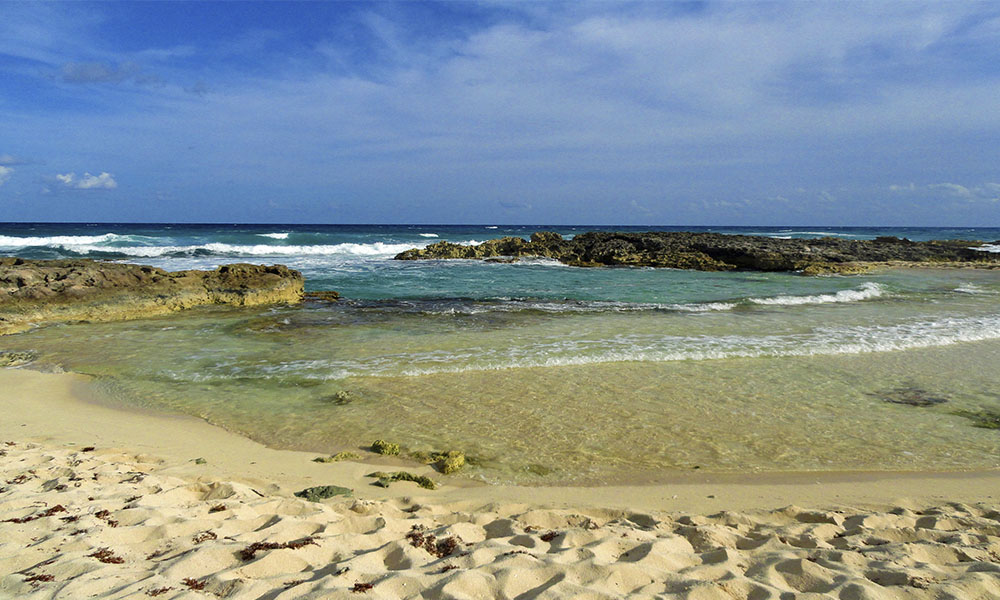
823,233
428,235
971,288
994,248
704,306
274,236
491,227
374,249
867,291
8,241
848,340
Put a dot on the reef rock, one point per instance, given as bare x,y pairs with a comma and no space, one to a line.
717,252
33,292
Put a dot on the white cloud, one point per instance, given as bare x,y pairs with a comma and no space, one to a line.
5,174
953,189
104,181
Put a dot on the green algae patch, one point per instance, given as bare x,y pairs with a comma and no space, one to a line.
337,457
986,419
385,448
384,479
449,462
444,462
322,492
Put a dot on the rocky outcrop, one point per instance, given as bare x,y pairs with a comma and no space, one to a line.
43,291
716,252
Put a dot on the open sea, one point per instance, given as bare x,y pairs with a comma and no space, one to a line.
550,374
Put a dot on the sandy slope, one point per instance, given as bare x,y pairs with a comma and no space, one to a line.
136,517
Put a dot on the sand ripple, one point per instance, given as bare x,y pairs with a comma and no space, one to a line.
102,523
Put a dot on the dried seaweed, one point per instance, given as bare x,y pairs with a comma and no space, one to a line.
105,555
251,551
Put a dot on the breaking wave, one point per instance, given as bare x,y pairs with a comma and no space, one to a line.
7,241
867,291
221,249
624,348
274,236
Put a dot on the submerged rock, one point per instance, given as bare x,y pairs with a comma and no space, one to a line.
910,396
715,252
322,492
45,291
323,296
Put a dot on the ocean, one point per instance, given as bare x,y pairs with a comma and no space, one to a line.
544,373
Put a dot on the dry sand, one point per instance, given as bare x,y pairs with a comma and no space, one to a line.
137,516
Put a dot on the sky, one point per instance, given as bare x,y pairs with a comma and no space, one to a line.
630,113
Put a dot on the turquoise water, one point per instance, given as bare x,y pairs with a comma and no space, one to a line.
547,373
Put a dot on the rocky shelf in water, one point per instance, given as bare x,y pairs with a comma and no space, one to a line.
34,292
717,252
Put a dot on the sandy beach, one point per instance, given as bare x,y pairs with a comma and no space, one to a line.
110,503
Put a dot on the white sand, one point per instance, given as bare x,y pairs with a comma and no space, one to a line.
157,519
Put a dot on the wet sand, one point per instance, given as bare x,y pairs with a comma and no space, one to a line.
102,502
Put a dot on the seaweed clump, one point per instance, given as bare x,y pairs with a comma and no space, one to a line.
337,457
250,552
449,462
322,492
985,419
384,479
16,359
341,398
445,462
418,538
385,448
909,395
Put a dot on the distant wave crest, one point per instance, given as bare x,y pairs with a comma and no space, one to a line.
220,249
8,241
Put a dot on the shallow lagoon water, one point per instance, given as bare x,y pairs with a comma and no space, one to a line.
549,374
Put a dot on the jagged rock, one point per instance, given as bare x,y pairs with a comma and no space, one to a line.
323,296
45,291
716,252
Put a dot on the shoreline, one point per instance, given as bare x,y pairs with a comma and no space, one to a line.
107,503
54,409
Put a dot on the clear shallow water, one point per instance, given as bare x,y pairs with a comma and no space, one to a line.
549,373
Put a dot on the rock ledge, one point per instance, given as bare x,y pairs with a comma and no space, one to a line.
718,252
44,291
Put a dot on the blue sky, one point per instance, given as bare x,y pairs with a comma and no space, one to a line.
534,112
